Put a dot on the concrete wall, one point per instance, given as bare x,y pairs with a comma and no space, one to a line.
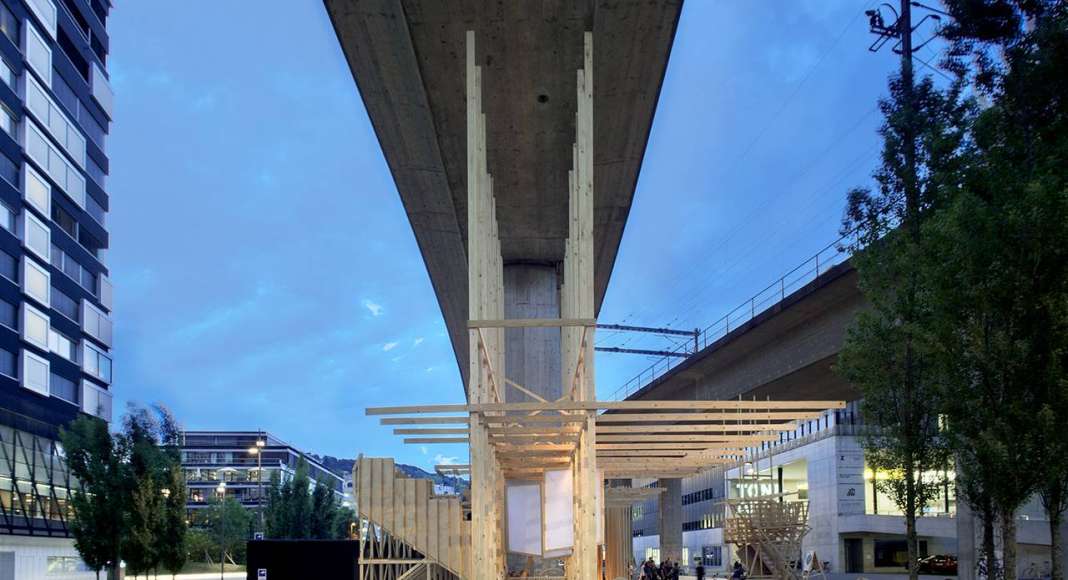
31,557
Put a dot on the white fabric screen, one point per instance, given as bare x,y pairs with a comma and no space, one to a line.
523,505
559,512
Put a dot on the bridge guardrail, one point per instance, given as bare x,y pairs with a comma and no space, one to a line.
829,256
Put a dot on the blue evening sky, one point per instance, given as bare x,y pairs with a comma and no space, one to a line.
265,272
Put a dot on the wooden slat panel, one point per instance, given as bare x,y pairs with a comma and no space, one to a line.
388,478
423,489
376,491
433,529
364,495
409,513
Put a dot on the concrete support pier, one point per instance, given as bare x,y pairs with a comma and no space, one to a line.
671,519
532,355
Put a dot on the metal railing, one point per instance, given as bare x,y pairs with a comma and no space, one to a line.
829,256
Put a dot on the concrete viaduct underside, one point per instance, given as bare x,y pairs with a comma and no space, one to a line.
407,57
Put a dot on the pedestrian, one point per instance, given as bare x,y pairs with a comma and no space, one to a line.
739,571
649,569
665,569
675,570
700,568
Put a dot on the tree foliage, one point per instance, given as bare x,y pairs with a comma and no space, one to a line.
121,512
1002,295
297,511
887,353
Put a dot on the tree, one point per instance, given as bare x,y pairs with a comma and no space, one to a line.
323,521
173,527
887,350
300,505
228,522
1004,301
97,525
289,506
119,513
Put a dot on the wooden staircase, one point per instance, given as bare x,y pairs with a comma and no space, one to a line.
407,511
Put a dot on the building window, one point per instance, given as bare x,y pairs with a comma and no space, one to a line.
8,121
54,163
34,326
63,388
95,323
62,345
96,211
64,304
7,74
9,25
38,237
7,363
37,191
96,401
97,363
65,221
70,267
9,267
7,216
9,170
35,372
38,55
7,314
61,128
36,281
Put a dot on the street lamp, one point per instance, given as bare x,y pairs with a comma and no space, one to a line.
258,452
222,529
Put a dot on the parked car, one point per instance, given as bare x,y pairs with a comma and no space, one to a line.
938,564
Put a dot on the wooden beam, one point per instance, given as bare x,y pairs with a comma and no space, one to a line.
682,437
651,429
704,417
532,323
683,446
751,406
432,440
532,419
430,431
424,420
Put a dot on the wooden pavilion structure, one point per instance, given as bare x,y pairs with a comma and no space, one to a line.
563,449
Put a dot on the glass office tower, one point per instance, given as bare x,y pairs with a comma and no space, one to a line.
55,296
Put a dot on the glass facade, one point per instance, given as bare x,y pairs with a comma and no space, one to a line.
35,485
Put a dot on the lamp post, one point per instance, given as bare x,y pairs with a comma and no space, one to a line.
222,529
258,452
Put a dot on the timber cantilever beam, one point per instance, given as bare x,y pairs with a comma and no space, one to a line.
696,429
531,323
606,405
691,417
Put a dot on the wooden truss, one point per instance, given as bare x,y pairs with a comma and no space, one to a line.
631,438
767,533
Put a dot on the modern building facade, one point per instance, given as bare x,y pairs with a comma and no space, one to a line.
55,296
855,527
226,460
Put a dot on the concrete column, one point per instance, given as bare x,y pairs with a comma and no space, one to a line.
532,355
671,519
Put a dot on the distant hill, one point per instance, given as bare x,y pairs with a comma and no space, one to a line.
342,466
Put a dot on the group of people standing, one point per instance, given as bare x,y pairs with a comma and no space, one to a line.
665,571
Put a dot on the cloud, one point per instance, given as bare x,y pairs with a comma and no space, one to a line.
389,346
418,340
440,459
374,308
423,449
